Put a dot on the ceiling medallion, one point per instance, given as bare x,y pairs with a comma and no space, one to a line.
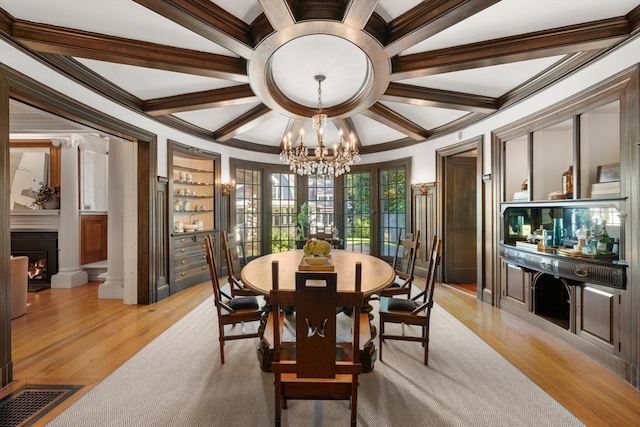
343,154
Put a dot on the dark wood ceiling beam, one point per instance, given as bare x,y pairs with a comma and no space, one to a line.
83,44
388,117
429,18
418,95
278,12
633,18
246,121
207,19
6,20
540,44
223,97
358,12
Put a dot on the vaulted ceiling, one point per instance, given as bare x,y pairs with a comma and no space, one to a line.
398,72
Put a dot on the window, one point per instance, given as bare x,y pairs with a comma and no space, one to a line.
393,208
321,215
283,211
357,212
249,209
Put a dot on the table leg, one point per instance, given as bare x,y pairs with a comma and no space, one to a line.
265,354
368,354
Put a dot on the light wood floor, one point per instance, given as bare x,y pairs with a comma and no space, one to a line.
71,337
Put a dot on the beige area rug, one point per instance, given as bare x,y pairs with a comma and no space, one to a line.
177,380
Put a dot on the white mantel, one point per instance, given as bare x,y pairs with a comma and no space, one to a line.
37,220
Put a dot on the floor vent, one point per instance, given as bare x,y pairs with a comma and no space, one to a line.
27,405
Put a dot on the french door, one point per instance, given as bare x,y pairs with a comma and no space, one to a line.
375,207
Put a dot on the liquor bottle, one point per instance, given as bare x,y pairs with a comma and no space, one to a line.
604,241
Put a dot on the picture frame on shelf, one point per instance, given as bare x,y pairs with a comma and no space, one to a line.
608,173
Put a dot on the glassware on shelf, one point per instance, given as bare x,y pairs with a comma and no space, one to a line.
603,247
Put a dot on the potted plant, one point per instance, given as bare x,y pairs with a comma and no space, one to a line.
47,198
302,225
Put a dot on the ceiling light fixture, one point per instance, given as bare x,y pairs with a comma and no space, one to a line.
324,161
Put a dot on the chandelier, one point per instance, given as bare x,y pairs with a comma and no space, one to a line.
324,161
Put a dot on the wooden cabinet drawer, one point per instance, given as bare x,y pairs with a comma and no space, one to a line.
180,264
189,271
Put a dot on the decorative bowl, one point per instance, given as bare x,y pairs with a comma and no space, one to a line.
190,227
316,260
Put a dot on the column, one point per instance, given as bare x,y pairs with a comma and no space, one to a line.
70,273
113,286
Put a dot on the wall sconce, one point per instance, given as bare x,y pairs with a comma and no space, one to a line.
227,187
422,187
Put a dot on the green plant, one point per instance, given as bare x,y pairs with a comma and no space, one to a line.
302,221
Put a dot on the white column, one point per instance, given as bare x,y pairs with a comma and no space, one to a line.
70,273
129,172
113,286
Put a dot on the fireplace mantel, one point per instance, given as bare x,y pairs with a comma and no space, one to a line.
40,220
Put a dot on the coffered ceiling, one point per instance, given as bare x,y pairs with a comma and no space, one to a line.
241,72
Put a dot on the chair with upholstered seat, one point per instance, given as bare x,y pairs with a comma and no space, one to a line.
404,263
318,366
236,259
415,311
231,311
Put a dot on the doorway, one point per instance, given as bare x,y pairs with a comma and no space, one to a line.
460,201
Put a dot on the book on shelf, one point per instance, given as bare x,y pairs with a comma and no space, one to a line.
521,196
605,189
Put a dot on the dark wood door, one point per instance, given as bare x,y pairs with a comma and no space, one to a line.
460,258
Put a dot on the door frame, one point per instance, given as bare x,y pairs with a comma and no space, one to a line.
441,159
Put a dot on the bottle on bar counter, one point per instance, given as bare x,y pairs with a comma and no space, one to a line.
604,241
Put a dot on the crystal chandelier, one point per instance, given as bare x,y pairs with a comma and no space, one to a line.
324,161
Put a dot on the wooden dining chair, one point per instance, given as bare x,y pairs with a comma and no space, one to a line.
236,260
414,311
231,311
404,263
319,366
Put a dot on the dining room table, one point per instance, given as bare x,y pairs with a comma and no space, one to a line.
377,274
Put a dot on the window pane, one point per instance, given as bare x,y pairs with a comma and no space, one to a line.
283,211
321,204
392,208
357,212
249,209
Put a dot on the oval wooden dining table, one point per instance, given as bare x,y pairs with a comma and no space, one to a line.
377,274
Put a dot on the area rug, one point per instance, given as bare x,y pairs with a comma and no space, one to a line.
177,380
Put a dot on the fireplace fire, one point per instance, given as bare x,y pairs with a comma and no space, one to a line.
42,250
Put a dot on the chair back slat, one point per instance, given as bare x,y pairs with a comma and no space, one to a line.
316,302
213,270
432,272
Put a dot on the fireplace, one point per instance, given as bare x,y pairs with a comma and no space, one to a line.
42,250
